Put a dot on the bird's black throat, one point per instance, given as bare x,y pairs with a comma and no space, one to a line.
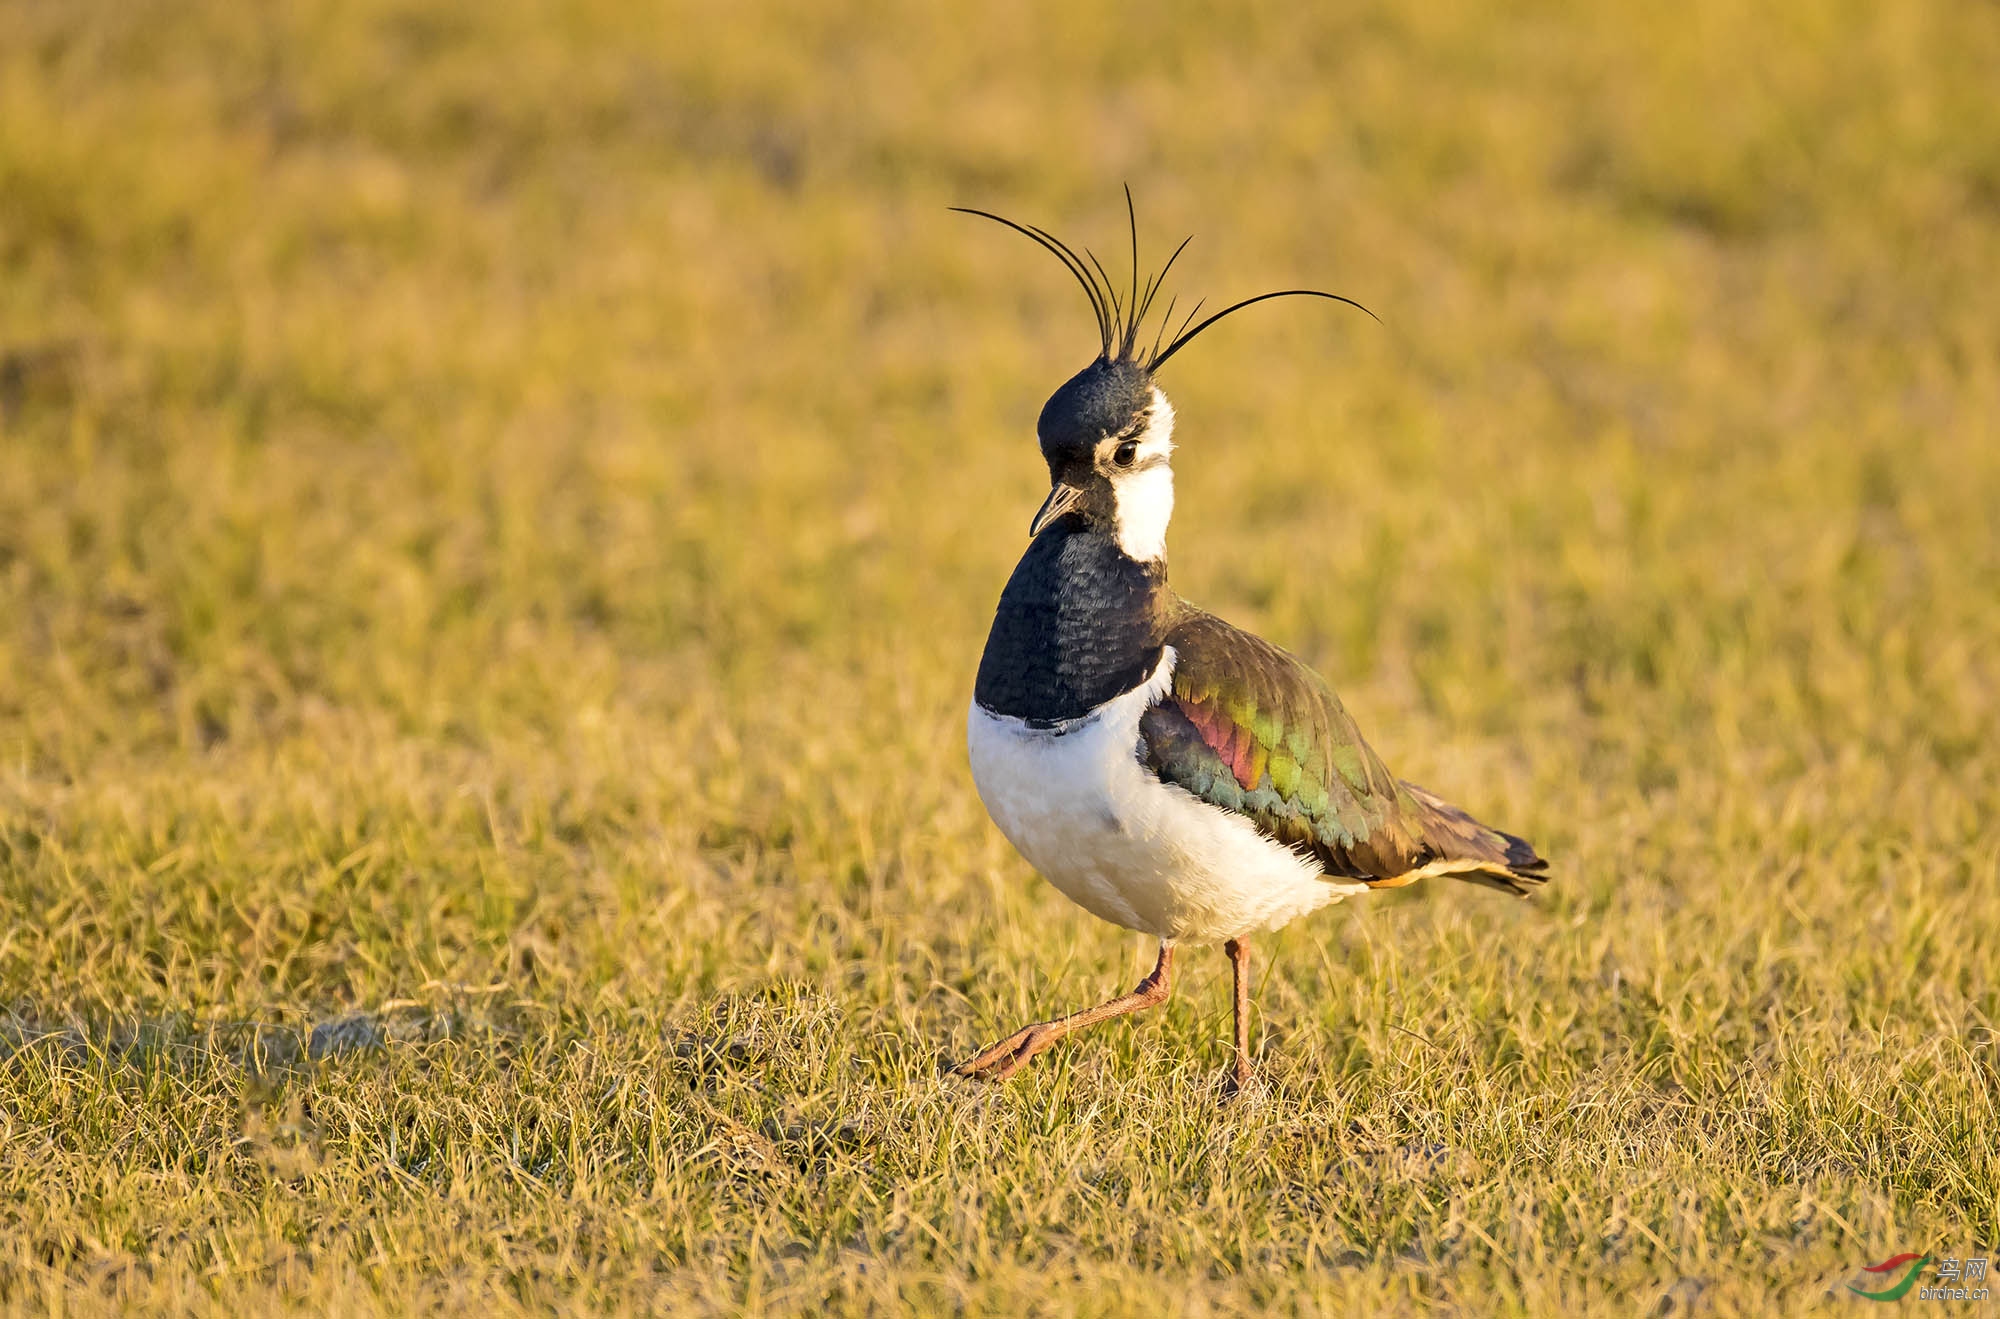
1079,623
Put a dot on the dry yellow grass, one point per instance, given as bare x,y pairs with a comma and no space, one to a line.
499,508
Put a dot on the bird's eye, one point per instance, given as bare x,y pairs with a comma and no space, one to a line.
1125,453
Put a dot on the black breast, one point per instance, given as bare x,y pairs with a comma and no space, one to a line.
1077,625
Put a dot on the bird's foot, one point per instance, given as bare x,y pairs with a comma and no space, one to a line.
1011,1054
1242,1084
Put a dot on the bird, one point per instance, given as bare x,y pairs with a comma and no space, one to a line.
1166,771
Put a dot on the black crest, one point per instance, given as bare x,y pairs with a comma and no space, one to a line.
1106,398
1120,321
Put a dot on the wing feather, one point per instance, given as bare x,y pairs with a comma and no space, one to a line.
1250,728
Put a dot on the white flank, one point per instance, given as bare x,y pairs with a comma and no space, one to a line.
1146,494
1100,826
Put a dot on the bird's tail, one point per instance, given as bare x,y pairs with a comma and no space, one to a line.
1474,852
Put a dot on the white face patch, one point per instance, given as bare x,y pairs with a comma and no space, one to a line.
1145,491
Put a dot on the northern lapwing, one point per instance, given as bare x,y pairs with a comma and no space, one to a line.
1168,772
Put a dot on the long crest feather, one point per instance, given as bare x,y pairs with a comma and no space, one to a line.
1157,282
1132,304
1098,306
1166,319
1117,312
1101,294
1181,340
1120,320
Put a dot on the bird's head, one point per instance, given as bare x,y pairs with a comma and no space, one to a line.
1108,433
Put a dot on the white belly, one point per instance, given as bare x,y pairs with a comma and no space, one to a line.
1100,826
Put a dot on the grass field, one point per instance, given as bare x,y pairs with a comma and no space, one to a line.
500,506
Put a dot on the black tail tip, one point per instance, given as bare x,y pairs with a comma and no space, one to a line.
1523,859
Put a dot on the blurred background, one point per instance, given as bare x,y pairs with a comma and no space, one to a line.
500,507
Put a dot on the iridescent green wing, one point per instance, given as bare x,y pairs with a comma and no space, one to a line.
1251,729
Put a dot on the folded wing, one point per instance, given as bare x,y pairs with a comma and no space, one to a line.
1252,729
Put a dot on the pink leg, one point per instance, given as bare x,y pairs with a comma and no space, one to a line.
1239,958
1011,1054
